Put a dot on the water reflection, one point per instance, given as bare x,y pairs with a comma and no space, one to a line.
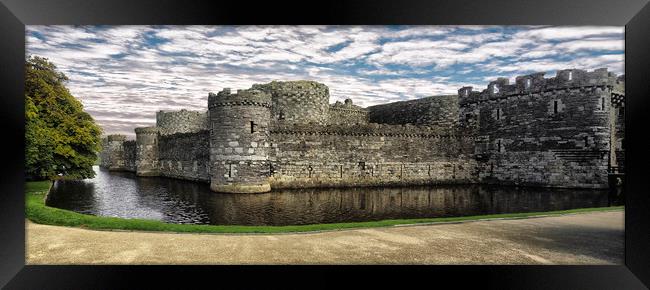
176,201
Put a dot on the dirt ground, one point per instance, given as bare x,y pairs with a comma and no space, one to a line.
588,238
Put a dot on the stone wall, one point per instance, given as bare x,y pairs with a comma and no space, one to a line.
543,132
183,121
441,111
347,113
300,102
129,155
185,155
104,155
368,155
618,102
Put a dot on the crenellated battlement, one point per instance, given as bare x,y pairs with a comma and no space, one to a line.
536,83
249,97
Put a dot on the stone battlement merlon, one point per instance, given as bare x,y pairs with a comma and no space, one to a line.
535,83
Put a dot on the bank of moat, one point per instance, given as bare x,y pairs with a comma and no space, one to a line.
562,131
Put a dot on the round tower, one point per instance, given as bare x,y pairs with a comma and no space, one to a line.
239,141
146,156
113,152
298,102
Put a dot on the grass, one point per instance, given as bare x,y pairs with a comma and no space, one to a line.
38,212
37,186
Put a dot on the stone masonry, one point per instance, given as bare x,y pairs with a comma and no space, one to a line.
563,131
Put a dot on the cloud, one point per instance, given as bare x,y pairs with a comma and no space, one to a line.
124,74
570,32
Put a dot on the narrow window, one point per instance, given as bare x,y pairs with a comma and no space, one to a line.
495,89
602,104
253,127
466,92
498,114
570,75
586,141
527,83
554,107
499,145
229,170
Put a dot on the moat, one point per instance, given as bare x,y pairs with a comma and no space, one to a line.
122,194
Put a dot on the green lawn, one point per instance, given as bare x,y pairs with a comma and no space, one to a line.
37,186
38,212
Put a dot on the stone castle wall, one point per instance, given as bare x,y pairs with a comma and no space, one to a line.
563,131
183,121
185,156
618,102
129,155
347,113
441,111
368,155
543,132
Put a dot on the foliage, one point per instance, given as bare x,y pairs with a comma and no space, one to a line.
59,136
38,212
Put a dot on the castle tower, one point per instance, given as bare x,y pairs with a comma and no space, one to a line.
113,159
298,102
146,163
239,141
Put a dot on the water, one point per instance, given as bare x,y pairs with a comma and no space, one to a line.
120,194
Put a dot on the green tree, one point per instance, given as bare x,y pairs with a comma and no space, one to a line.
60,138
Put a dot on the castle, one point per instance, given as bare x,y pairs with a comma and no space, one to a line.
563,131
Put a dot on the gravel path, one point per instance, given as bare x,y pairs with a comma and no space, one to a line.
588,238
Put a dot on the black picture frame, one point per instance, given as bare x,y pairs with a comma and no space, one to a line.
634,14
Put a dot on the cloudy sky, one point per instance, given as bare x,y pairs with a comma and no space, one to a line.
124,74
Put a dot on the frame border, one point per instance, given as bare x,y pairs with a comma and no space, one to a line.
634,14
